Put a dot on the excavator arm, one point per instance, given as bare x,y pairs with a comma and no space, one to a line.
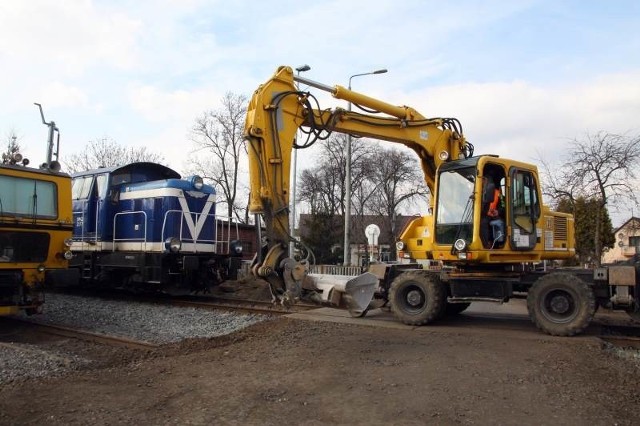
275,113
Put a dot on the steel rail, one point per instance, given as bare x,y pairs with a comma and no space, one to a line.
89,335
243,305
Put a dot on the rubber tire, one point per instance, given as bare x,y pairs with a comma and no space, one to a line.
561,287
455,308
427,288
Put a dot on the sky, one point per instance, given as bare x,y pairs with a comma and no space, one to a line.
524,77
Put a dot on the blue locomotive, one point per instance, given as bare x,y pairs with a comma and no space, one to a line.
142,226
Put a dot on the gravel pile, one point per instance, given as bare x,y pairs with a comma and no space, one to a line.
141,321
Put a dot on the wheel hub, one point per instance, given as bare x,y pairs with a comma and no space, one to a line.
559,304
414,298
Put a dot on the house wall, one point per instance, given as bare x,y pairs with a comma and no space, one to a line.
627,242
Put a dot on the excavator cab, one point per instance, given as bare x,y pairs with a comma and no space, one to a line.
488,210
472,191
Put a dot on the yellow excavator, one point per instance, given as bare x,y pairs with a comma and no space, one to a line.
487,237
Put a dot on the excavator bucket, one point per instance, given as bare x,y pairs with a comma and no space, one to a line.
353,293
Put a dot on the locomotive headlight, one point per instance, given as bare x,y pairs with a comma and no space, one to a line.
197,182
41,268
173,244
68,242
68,255
399,245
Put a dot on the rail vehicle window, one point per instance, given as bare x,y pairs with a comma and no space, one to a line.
120,178
102,184
28,197
81,187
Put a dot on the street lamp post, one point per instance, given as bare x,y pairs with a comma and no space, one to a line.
292,225
347,183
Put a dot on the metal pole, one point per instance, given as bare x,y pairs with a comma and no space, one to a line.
292,224
347,181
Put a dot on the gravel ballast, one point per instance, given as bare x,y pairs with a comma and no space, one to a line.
147,322
19,360
154,323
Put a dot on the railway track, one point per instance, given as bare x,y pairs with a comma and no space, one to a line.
610,330
201,302
624,336
89,336
242,305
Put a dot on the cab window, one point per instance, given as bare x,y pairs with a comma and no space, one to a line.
81,187
526,206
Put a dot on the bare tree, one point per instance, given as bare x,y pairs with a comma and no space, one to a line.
601,166
217,135
323,186
105,152
398,179
382,180
12,148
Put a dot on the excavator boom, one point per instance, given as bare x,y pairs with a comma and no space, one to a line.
275,113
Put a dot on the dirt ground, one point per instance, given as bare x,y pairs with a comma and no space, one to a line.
291,371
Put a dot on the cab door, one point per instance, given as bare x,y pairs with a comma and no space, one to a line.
524,207
88,194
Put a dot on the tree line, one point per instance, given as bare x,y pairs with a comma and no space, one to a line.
597,172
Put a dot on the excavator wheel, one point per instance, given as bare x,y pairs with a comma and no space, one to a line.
417,297
561,304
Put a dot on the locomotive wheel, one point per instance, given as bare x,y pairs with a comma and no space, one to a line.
455,308
417,298
561,304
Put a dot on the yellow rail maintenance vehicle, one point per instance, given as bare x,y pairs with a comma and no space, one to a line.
487,235
35,229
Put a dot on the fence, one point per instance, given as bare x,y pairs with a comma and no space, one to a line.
335,270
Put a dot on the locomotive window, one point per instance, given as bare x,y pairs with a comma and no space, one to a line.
120,178
101,182
81,187
28,197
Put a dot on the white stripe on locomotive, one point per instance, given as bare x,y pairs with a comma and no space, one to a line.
194,227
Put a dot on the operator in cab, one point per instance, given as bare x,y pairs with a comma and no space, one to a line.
492,223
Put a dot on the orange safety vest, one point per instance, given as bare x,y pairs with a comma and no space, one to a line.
493,206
